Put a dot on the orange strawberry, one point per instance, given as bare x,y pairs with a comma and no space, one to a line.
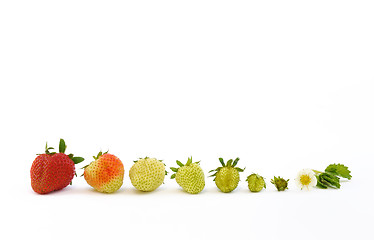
105,174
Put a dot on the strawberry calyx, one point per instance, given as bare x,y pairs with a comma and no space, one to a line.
47,150
99,155
175,170
229,164
62,149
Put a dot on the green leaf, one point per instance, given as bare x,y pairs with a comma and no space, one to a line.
222,162
180,164
172,176
339,170
174,169
77,160
62,146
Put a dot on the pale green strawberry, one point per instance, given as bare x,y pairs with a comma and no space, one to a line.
227,177
255,182
189,176
147,174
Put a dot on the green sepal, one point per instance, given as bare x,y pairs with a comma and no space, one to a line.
77,160
180,164
235,162
172,176
240,170
229,163
47,150
215,170
62,146
189,161
174,169
100,154
85,166
222,162
166,172
213,175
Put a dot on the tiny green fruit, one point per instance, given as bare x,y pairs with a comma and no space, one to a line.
280,183
255,182
227,177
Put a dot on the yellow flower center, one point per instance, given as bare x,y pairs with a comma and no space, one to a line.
305,179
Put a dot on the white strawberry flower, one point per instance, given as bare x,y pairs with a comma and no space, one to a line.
306,179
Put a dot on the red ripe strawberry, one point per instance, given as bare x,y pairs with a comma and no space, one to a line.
53,171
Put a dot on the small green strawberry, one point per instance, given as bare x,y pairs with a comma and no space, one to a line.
189,176
227,177
255,182
147,174
280,183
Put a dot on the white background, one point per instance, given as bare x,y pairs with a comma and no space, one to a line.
284,85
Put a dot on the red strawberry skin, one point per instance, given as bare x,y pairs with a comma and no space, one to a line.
51,172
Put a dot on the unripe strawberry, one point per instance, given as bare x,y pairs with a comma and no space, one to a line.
190,176
147,174
105,174
227,177
53,171
255,182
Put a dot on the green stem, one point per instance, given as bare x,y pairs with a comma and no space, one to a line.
317,172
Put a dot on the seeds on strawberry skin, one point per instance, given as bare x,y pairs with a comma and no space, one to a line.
189,176
147,174
53,171
255,182
227,177
105,174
